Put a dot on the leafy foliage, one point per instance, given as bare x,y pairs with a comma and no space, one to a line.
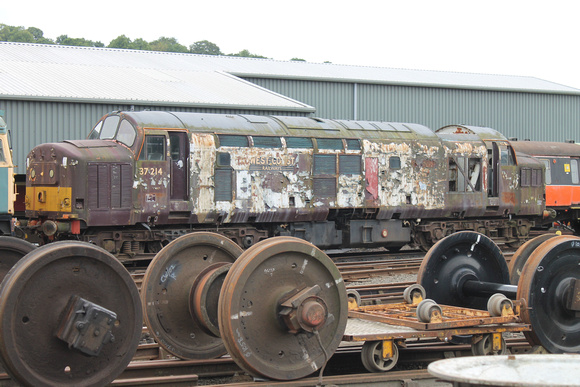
247,54
64,40
205,47
167,44
22,35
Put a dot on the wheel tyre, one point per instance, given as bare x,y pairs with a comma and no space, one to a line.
410,290
484,347
372,357
495,304
425,310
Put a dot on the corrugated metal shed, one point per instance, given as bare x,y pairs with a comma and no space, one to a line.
80,74
51,93
130,75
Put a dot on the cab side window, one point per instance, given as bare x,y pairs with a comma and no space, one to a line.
154,148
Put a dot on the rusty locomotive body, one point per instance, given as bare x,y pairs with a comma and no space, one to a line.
142,179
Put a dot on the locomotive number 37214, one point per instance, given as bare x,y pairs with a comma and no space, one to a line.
150,171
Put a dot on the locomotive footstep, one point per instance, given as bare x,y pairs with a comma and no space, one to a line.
70,314
464,269
180,294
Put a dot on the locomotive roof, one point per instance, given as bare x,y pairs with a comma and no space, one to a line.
278,125
469,132
535,148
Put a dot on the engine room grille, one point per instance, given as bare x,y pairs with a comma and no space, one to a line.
109,186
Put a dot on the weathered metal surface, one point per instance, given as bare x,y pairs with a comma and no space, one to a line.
456,259
171,280
283,309
11,251
546,283
157,169
404,314
522,255
509,370
34,301
366,330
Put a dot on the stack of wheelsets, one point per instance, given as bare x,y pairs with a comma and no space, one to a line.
70,313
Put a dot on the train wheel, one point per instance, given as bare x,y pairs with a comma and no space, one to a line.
521,256
180,293
372,357
70,315
460,257
550,283
484,347
11,251
282,309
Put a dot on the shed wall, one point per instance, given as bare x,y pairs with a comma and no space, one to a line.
534,116
36,122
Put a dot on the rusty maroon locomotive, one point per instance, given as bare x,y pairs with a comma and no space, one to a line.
142,179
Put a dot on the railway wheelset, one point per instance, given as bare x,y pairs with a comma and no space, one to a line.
70,313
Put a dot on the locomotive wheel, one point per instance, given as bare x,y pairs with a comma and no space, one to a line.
547,284
70,315
11,250
372,357
168,290
457,258
521,256
282,309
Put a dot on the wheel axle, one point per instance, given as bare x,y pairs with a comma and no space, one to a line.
466,268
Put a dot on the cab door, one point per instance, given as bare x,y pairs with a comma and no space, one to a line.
153,177
503,181
179,171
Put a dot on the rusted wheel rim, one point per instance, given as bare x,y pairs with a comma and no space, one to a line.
544,284
34,296
250,306
11,251
484,347
204,296
522,255
372,357
460,257
166,289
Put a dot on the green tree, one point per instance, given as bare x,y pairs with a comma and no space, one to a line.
121,41
22,35
64,40
247,54
38,36
205,47
140,44
298,60
167,44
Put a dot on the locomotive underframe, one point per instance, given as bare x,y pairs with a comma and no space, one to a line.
512,232
143,241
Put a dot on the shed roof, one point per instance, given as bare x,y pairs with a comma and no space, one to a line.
85,74
148,77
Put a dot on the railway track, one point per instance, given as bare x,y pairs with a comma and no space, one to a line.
152,366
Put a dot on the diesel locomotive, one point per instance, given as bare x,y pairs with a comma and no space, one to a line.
142,179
